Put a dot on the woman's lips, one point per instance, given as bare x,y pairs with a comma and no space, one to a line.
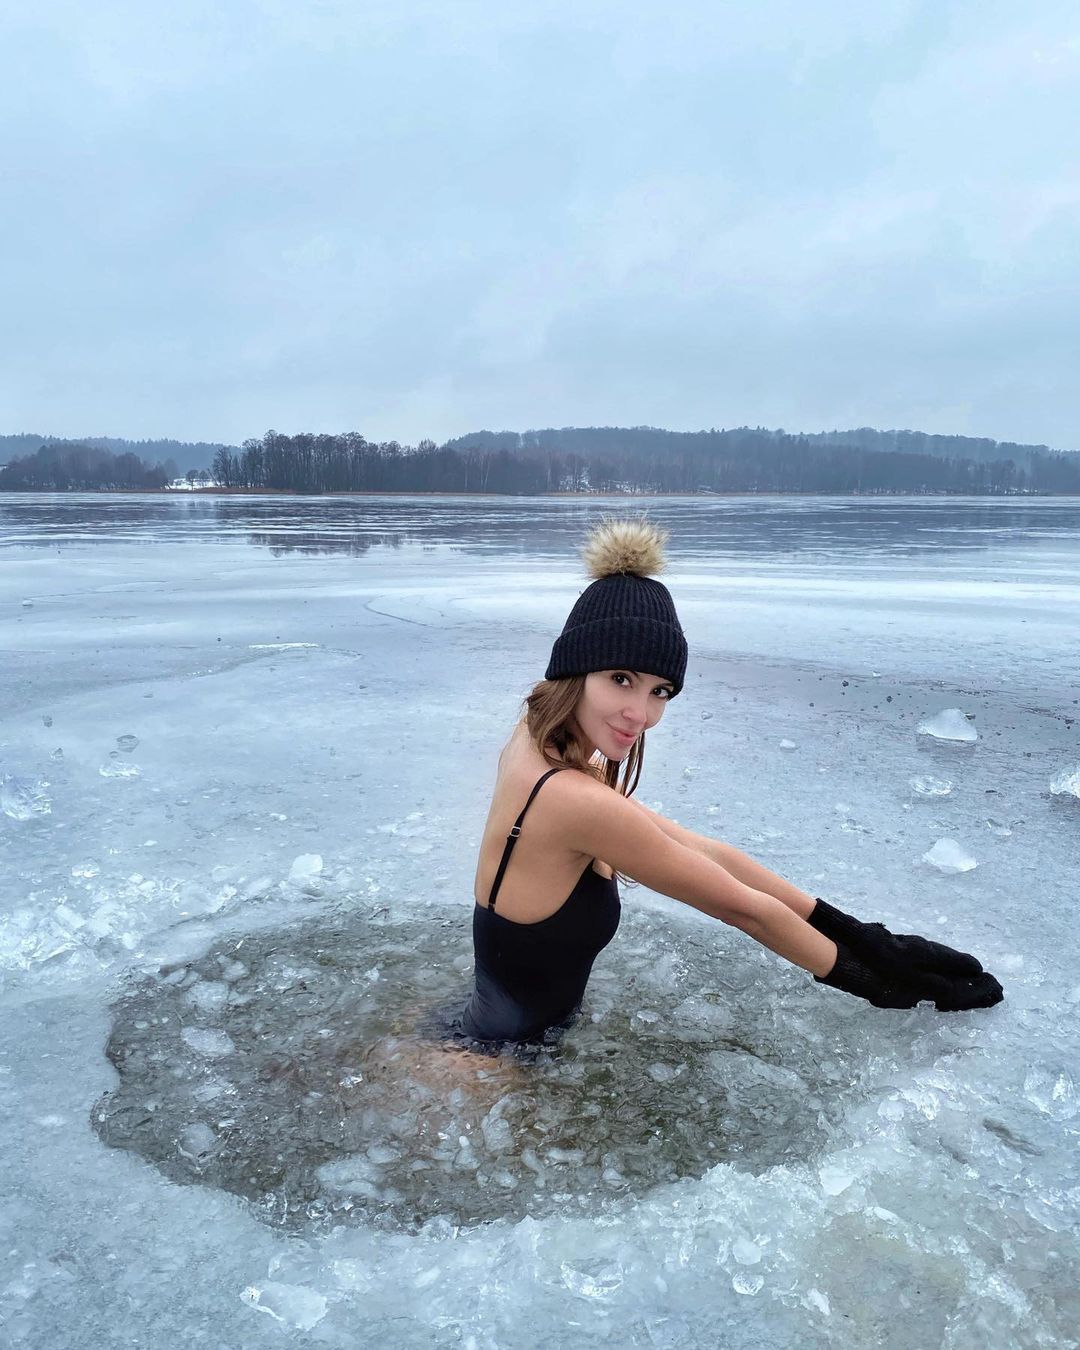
627,737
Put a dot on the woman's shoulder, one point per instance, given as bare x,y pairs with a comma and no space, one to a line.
521,765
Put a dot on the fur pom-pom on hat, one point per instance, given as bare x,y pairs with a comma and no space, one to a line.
624,618
617,546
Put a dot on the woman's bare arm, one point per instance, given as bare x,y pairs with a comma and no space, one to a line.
739,864
602,823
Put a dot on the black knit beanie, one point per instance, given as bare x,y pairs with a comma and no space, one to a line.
625,619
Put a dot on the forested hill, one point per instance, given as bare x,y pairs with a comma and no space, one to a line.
641,440
187,454
759,459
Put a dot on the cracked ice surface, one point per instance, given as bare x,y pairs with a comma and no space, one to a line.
221,1119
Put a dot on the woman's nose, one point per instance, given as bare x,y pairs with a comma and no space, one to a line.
636,712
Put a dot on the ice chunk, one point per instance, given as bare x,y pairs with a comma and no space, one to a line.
592,1279
662,1073
928,786
208,994
835,1177
305,868
23,798
127,743
816,1299
950,725
949,856
1066,784
785,744
292,1304
1052,1092
211,1090
354,1175
747,1253
212,1044
116,770
197,1141
747,1284
498,1136
565,1155
778,1075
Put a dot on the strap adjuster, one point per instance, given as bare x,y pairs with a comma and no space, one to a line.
515,830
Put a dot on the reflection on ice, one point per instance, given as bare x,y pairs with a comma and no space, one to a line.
296,1079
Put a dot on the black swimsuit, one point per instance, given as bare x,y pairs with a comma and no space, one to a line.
531,976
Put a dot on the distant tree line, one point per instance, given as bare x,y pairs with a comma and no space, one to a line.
63,466
643,460
349,463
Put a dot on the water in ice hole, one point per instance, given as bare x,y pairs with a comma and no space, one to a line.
290,1068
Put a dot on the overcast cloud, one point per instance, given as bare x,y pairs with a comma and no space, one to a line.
418,219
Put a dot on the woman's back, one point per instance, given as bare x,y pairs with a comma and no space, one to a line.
533,956
544,869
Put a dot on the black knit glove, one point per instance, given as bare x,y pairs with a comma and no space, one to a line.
950,993
853,977
891,952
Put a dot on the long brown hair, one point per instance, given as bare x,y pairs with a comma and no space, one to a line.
548,708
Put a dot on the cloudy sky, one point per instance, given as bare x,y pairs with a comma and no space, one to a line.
421,217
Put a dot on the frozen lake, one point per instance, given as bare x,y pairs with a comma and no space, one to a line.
246,751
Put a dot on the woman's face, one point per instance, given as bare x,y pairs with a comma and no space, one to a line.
615,701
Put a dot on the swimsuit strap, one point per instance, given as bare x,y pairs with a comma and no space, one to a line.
511,838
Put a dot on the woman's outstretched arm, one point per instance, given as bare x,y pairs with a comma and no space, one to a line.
612,827
739,864
966,984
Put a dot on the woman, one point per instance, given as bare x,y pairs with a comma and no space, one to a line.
545,903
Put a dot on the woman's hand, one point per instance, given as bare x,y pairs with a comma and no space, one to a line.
891,951
954,980
950,993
